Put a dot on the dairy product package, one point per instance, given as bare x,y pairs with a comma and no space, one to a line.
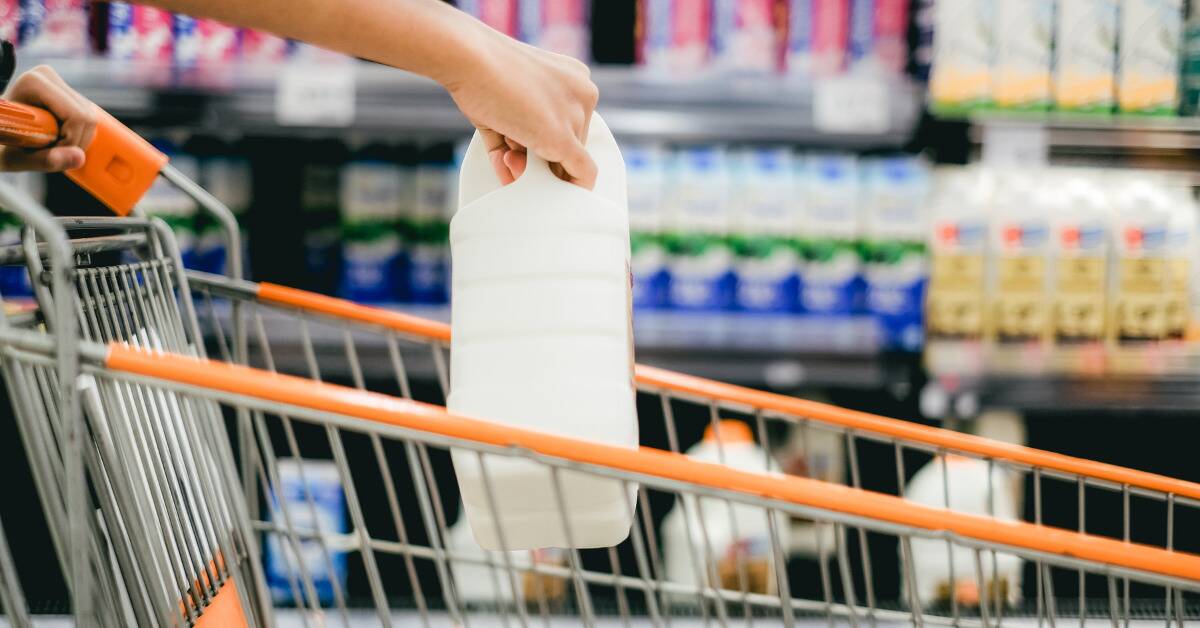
745,36
1020,270
821,455
1081,240
1190,76
878,39
309,498
894,198
14,278
1149,49
263,47
479,583
226,176
1140,278
427,226
1021,76
499,14
175,208
140,33
1085,55
831,266
54,28
700,261
817,33
203,42
646,172
1181,262
962,55
954,306
373,188
764,227
320,214
556,25
10,20
674,36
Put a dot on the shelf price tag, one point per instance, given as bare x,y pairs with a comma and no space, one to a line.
855,105
321,95
1008,145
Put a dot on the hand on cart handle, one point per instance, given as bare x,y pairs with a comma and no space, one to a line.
44,124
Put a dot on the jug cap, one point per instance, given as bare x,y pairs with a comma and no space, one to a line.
732,431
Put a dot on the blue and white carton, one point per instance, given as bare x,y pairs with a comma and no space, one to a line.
766,216
700,260
325,517
831,267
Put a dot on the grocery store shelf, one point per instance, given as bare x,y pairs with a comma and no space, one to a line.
1151,377
778,352
243,97
1066,130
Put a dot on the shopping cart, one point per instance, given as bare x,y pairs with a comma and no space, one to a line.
159,474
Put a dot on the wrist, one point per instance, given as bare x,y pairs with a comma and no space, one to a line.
466,47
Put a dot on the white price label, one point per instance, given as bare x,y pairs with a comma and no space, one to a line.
322,96
1014,145
851,105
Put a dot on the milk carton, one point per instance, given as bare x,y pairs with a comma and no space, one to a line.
556,25
646,166
1020,270
879,35
54,28
1181,262
675,36
175,208
745,36
1085,55
478,583
816,37
764,224
372,194
895,197
958,254
962,55
831,266
14,278
10,20
1140,277
427,226
1082,221
310,492
700,259
1150,45
1021,74
738,537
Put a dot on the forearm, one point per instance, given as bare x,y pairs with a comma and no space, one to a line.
427,37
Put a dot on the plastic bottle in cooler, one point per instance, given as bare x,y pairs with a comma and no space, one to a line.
700,261
954,306
1181,258
831,269
738,536
646,169
163,200
1082,219
895,198
1139,290
478,583
372,197
427,227
1018,283
764,224
543,340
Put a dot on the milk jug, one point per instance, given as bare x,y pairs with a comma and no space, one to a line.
543,340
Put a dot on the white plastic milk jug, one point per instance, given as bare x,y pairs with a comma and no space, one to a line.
543,340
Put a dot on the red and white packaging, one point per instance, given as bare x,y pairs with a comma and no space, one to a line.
556,25
10,20
54,27
675,35
817,37
879,35
217,42
745,37
499,14
263,47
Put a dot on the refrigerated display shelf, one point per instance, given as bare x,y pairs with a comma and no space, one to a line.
1097,131
243,97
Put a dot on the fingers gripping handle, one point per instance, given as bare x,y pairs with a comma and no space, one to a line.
120,165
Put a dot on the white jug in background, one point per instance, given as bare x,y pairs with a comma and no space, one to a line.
543,339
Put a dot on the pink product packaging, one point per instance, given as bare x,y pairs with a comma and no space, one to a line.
10,20
204,42
263,47
879,35
675,35
53,27
817,34
499,14
556,25
744,35
140,33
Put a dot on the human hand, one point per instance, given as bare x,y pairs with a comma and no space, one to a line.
43,87
522,98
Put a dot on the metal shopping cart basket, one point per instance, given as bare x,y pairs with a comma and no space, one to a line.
159,471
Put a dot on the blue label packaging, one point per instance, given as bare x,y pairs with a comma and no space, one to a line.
894,198
744,36
764,225
831,270
300,481
646,175
372,197
54,28
427,227
700,260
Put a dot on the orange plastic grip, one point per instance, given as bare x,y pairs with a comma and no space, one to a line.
120,165
26,127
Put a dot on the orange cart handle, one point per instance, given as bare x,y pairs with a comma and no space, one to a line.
385,409
120,165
